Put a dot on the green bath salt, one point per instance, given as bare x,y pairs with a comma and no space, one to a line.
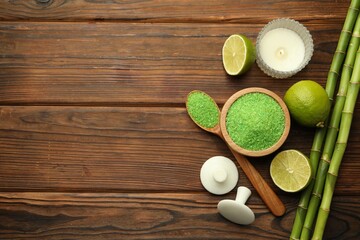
255,121
202,109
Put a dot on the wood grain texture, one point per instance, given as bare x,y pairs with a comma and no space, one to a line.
150,216
95,141
112,63
172,11
106,148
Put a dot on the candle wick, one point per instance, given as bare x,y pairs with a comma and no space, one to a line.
281,53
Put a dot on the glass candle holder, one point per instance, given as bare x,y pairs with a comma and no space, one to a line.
283,48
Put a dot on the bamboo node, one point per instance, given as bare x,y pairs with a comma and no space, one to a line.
333,174
332,127
302,207
326,160
315,150
346,31
340,52
308,228
353,8
349,66
317,195
333,71
342,144
325,209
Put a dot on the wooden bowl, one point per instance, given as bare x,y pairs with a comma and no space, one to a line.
247,152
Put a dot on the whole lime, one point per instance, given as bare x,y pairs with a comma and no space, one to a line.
308,103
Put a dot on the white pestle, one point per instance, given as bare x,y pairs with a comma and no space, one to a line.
219,175
236,211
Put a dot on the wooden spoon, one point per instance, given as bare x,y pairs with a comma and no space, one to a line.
269,197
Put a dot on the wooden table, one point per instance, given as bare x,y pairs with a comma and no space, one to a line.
95,141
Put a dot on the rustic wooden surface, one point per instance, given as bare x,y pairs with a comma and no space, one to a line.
95,142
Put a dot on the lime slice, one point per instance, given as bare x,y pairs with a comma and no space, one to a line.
238,54
290,170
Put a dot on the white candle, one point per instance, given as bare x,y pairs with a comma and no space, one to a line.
282,49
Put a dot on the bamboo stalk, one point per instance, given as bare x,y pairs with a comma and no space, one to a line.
320,133
343,136
331,133
306,194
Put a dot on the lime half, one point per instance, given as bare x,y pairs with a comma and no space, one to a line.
290,170
238,54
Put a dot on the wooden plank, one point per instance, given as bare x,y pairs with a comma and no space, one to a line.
170,10
89,216
60,63
124,149
95,142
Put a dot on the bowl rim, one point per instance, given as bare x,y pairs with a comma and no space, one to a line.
244,151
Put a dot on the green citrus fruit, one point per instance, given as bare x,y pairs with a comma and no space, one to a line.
308,103
238,54
290,170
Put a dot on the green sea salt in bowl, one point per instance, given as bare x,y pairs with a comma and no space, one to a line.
255,122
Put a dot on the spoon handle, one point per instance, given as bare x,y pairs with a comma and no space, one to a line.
269,197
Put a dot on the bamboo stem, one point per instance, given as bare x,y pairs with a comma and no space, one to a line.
320,133
343,136
331,133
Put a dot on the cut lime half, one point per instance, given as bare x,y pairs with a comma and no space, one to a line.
238,54
290,170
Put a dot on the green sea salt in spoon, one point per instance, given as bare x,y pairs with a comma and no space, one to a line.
202,109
